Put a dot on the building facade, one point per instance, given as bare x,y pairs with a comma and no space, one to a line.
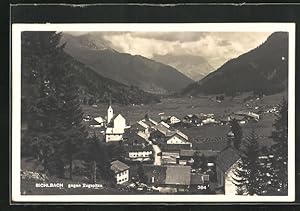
121,171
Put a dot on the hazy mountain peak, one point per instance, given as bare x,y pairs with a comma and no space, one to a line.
193,66
88,41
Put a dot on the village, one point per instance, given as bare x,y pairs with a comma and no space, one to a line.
170,159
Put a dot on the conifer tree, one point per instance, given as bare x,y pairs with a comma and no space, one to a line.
97,161
279,162
238,133
141,174
50,103
248,175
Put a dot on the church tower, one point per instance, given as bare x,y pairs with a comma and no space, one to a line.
110,111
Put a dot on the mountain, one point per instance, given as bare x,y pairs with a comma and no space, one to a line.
263,69
195,67
131,70
95,88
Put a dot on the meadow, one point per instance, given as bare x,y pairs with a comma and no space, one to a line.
181,107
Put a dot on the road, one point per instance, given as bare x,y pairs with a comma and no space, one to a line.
156,149
157,158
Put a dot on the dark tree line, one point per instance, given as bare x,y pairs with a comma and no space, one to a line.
51,109
254,176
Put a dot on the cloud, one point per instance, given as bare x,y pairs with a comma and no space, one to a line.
215,47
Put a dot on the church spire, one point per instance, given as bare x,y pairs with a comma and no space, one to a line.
110,111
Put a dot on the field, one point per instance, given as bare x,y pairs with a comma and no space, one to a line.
181,107
202,137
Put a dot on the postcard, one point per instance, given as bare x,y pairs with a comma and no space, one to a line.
189,112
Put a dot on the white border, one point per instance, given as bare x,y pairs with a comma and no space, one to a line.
195,27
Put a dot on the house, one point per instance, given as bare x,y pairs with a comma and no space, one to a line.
139,152
239,118
186,155
168,176
97,122
226,163
199,182
179,176
134,138
191,118
225,120
121,171
93,124
100,120
174,120
209,120
178,132
177,139
144,125
161,132
248,115
116,125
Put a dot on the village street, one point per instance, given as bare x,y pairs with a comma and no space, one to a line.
157,157
156,149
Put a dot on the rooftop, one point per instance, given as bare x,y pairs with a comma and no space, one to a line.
118,166
180,175
226,158
137,148
191,152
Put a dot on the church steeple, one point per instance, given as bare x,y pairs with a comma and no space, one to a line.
110,111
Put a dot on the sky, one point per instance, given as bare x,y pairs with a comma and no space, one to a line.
215,47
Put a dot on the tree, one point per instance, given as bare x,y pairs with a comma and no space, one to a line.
200,161
71,115
141,174
96,160
38,100
279,162
238,133
248,175
50,103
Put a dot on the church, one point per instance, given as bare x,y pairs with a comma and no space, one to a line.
116,125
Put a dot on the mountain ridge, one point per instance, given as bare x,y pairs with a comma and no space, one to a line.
131,70
262,69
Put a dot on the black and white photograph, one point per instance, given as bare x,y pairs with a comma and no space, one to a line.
153,112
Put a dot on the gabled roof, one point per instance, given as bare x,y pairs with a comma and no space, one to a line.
227,157
133,138
169,174
179,137
164,130
138,148
117,166
99,119
182,134
143,124
180,175
191,152
93,122
110,124
164,124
